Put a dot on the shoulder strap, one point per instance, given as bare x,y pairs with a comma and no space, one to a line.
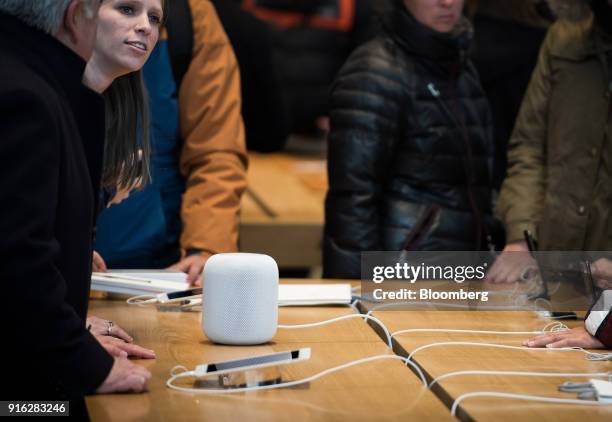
180,38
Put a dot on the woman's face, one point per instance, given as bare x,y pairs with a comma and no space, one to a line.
439,15
127,32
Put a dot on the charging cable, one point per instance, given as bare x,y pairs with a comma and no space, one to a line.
522,397
195,373
142,300
436,305
522,374
589,355
330,321
446,330
552,327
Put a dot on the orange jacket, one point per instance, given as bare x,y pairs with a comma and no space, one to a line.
213,160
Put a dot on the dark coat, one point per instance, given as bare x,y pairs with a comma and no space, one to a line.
409,148
505,55
51,135
311,39
559,183
266,117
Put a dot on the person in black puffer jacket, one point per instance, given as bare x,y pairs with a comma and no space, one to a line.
410,145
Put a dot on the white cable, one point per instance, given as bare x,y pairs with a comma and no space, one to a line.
446,305
329,321
520,374
596,356
555,327
523,397
552,327
499,346
141,300
176,376
446,330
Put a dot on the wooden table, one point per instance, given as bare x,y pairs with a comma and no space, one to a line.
383,390
282,210
441,360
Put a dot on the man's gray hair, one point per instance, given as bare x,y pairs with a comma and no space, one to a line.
46,15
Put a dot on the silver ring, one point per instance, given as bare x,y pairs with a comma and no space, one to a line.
109,327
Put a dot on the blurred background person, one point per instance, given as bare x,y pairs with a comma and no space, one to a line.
410,145
507,37
311,39
265,114
559,183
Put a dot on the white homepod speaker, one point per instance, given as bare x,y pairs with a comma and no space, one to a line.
240,298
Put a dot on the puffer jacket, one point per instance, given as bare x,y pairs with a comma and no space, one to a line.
559,182
410,147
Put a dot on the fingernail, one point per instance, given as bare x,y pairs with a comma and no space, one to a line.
123,354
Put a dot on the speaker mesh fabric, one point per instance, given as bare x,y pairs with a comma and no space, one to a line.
240,298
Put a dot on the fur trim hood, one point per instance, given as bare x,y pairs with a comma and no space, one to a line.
573,10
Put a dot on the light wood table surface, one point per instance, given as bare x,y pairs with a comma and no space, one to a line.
383,390
444,359
282,209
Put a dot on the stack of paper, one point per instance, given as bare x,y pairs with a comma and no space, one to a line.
139,282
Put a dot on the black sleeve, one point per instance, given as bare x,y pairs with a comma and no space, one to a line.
364,117
43,336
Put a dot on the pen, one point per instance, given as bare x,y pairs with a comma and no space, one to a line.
531,244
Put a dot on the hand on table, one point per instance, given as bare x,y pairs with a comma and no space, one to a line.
602,273
97,263
125,377
576,337
102,327
120,349
193,266
514,260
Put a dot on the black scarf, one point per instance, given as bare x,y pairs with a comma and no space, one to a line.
446,49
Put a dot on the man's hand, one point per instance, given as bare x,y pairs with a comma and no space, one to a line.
100,327
120,349
514,260
125,377
193,266
576,337
97,263
602,273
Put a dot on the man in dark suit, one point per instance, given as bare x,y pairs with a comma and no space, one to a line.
51,145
